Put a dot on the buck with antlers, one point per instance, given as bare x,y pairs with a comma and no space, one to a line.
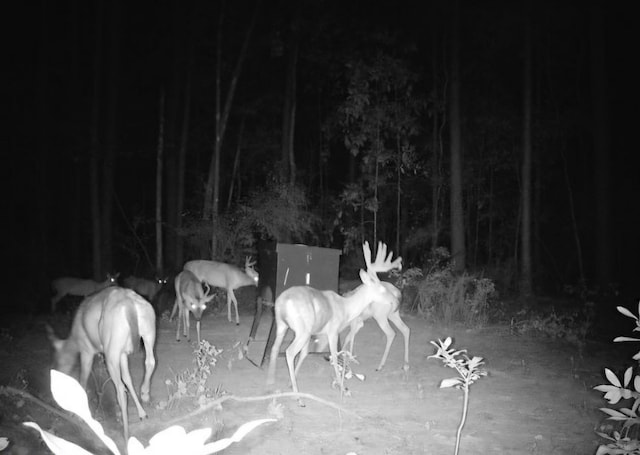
382,311
78,287
110,322
308,311
227,276
190,298
144,287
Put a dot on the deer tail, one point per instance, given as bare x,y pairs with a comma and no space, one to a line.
132,321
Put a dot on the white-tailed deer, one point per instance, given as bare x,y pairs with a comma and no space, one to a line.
382,311
308,311
78,287
227,276
110,322
144,287
190,298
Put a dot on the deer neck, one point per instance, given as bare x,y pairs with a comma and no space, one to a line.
355,303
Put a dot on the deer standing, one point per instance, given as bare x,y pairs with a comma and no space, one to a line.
308,311
227,276
144,287
110,322
190,298
78,287
382,311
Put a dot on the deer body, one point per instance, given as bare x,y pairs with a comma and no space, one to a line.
79,287
308,311
190,298
382,311
227,276
144,287
110,322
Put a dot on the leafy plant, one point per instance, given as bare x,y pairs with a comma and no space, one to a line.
449,297
192,382
469,371
622,442
71,396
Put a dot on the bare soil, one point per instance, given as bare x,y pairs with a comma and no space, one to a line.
537,399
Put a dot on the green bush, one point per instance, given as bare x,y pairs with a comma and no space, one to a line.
624,439
449,297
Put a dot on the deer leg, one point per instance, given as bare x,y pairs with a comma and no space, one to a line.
180,309
126,378
113,366
173,311
198,330
86,362
406,332
186,324
356,325
231,297
300,341
304,352
281,330
333,348
149,364
383,322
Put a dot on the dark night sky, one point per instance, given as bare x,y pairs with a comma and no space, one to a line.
48,50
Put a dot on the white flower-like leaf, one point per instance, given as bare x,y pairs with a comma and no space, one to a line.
56,444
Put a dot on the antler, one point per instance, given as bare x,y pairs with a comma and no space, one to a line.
248,262
383,261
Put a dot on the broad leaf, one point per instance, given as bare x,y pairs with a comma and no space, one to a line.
613,379
628,313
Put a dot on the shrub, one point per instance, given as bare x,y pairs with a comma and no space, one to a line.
623,440
446,296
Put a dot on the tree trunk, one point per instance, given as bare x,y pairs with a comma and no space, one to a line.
526,273
458,249
159,166
236,164
182,158
289,102
111,138
601,143
212,189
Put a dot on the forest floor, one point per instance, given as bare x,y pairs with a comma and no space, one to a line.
538,397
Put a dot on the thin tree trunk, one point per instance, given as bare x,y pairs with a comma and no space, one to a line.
96,237
212,189
574,223
159,166
601,143
458,250
398,190
289,102
526,272
111,137
236,164
182,158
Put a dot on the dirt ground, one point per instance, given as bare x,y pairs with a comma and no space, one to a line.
537,398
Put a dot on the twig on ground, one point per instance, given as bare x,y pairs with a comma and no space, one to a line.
221,400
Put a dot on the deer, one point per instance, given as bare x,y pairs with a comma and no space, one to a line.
308,311
190,298
110,322
383,312
227,276
79,287
144,287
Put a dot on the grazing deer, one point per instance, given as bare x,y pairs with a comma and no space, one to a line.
382,311
227,276
110,322
78,287
144,287
308,311
190,298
